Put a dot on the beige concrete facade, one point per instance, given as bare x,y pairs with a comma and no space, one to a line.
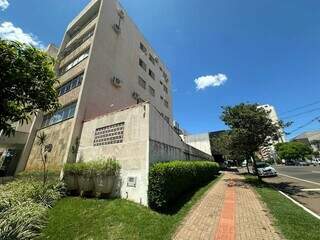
110,55
199,141
147,138
110,80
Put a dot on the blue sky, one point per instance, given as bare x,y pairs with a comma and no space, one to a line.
269,51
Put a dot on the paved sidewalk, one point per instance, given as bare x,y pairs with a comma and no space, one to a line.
230,210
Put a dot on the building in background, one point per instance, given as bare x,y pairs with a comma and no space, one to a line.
269,152
311,138
199,141
115,94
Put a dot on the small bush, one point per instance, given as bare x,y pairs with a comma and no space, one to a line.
170,180
107,167
22,221
23,205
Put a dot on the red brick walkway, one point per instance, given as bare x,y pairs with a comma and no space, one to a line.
226,227
230,210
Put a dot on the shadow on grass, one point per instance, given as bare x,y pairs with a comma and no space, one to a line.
176,206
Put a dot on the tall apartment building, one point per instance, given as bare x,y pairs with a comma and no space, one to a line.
104,64
269,152
116,101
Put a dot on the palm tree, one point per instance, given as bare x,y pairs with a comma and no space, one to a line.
42,143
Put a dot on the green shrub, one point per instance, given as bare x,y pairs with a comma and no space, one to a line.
22,221
23,205
108,167
170,180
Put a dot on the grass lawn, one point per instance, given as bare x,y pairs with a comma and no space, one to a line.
77,218
291,220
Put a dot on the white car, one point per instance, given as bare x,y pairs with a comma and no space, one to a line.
265,170
316,162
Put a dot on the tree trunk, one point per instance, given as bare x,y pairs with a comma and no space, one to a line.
247,165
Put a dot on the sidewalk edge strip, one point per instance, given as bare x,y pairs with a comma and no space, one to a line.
300,205
299,179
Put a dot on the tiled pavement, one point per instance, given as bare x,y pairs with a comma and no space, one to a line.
230,210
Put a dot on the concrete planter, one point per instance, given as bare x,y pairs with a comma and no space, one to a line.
103,184
85,183
71,180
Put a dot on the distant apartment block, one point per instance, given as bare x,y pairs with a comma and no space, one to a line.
269,152
311,138
116,101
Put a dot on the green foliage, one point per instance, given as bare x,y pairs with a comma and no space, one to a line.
251,128
27,84
223,144
107,167
24,203
22,221
170,180
293,150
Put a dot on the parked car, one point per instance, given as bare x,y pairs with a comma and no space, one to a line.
264,169
303,163
316,162
291,162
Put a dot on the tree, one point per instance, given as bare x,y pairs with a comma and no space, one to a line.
27,84
222,143
293,150
251,128
42,139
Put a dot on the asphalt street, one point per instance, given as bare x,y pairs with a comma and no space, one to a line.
301,183
309,173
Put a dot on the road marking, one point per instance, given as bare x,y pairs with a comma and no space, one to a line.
299,179
300,205
310,189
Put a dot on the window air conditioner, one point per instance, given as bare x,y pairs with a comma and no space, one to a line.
135,95
116,28
116,81
121,13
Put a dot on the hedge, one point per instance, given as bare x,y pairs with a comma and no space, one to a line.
170,180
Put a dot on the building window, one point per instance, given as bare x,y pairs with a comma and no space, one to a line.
59,116
152,59
143,48
75,62
142,64
152,91
167,119
161,97
165,89
142,82
111,134
165,102
151,74
73,83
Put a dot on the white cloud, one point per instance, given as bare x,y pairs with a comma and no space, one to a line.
4,4
210,81
10,32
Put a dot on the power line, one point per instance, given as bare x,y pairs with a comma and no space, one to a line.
301,107
302,113
304,125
